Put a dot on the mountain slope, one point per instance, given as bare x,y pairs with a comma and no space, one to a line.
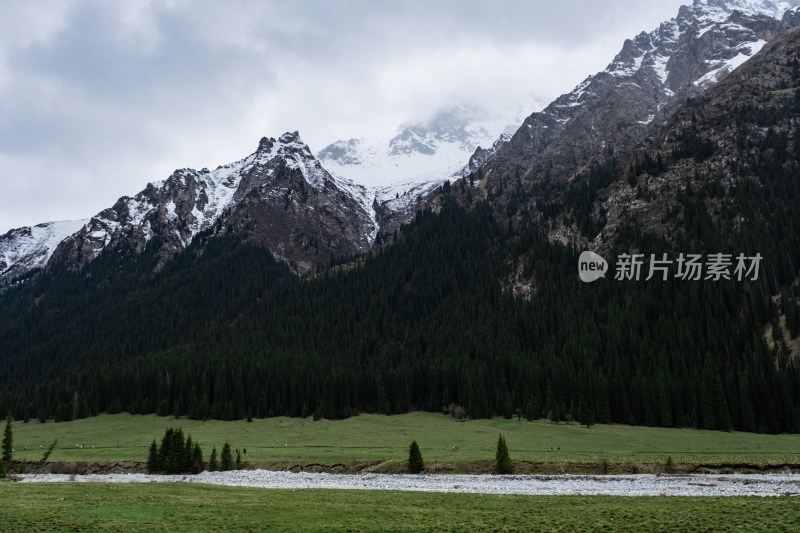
623,108
733,145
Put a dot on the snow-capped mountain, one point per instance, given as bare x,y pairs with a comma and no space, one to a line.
622,108
279,196
373,185
401,172
418,153
27,248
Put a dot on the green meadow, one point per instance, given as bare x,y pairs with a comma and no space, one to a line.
281,442
185,507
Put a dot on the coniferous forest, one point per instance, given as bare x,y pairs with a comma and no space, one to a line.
420,324
428,320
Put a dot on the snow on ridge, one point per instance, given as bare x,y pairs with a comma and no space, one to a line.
758,7
34,245
746,51
364,197
708,16
214,191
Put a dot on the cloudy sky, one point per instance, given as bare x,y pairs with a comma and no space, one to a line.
98,98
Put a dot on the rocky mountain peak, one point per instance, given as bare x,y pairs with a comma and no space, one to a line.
265,146
281,178
622,109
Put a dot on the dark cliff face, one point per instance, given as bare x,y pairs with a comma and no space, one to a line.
622,109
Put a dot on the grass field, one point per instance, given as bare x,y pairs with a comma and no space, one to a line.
183,507
377,438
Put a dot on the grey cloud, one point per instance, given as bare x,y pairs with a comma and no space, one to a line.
98,103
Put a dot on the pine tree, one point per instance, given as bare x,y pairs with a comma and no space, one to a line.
225,459
188,451
8,439
238,460
415,462
152,458
213,465
502,459
2,470
197,459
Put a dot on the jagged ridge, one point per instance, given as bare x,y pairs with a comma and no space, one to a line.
622,108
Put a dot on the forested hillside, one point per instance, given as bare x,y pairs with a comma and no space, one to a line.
419,325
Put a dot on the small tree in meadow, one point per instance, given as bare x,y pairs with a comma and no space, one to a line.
197,459
152,458
8,439
213,464
225,458
415,462
502,459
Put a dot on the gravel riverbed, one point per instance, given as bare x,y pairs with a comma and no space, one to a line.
611,485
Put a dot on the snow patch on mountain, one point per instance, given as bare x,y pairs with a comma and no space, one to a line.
721,68
398,173
29,247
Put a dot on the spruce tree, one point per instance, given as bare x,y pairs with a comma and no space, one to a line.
197,459
8,439
213,465
502,459
225,459
152,458
415,462
238,460
188,457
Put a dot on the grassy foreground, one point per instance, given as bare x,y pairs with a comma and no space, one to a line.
378,438
183,507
